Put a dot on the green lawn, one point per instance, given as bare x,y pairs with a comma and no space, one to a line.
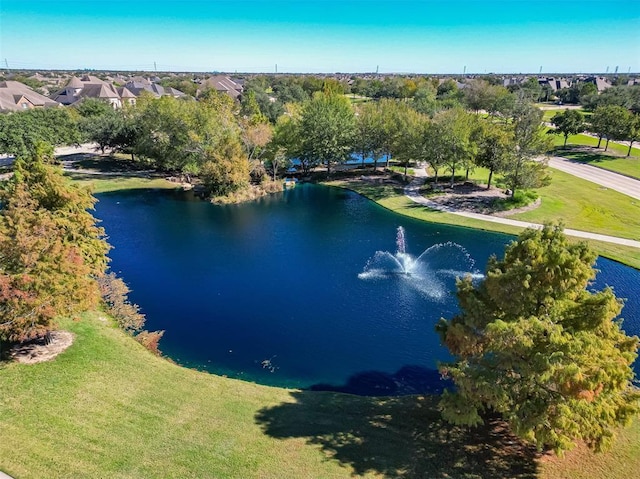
103,184
108,408
629,166
583,205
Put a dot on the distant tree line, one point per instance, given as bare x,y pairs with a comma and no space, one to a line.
321,122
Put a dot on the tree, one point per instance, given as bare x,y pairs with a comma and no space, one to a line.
21,132
622,95
424,100
409,138
503,104
327,128
434,150
480,95
529,90
534,345
524,171
51,250
397,117
286,142
369,136
250,109
633,131
610,122
569,122
455,138
225,168
255,137
495,148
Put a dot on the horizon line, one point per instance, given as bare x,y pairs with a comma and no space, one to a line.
236,72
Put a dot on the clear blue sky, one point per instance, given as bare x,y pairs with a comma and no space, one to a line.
323,36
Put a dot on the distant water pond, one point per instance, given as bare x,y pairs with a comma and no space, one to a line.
303,289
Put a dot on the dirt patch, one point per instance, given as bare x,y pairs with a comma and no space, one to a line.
39,351
471,198
382,179
468,197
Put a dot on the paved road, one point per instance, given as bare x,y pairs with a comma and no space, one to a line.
412,191
608,179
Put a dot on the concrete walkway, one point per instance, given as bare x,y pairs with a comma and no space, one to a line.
4,476
608,179
412,191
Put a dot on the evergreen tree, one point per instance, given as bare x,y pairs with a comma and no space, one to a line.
533,344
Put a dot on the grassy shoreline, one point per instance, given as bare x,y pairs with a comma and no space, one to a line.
394,200
106,407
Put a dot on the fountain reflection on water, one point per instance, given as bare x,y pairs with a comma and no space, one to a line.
426,273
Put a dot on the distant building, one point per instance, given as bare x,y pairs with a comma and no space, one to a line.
601,84
89,86
222,84
16,96
138,86
554,83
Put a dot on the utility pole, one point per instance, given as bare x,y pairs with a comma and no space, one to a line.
276,68
377,68
6,63
155,67
616,72
540,72
607,69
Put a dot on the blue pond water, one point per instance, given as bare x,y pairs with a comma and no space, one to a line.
296,289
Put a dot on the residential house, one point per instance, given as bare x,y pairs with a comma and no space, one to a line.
88,86
601,84
554,83
138,86
222,84
16,96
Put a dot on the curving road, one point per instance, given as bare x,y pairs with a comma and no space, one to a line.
608,179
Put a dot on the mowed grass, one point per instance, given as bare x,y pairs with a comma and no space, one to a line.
621,461
586,206
115,182
629,166
106,407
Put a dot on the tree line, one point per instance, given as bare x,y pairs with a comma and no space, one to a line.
230,145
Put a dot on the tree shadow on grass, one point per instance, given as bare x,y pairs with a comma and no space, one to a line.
400,437
586,157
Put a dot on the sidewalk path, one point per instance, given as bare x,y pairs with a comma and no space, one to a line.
608,179
412,191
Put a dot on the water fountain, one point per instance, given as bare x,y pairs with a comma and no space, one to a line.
427,272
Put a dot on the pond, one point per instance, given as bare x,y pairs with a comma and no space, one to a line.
305,288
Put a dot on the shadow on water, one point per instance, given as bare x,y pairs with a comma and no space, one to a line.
400,437
406,381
